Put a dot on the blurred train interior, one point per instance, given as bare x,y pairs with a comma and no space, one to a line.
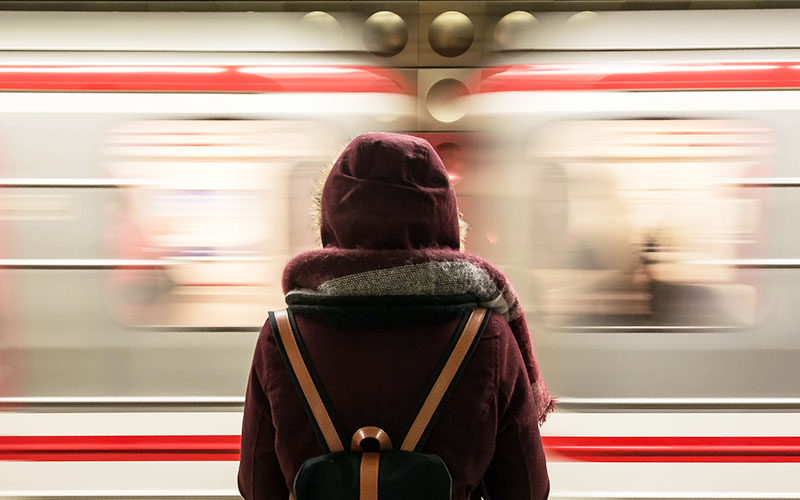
634,172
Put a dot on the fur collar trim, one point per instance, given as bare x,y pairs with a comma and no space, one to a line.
336,272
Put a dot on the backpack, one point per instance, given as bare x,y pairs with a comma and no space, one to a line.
371,469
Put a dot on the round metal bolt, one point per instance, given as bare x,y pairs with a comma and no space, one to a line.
385,33
451,33
513,29
582,19
448,100
322,22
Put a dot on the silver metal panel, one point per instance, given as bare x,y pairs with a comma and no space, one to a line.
171,31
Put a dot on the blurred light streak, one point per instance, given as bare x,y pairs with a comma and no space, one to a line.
667,403
222,78
127,401
99,264
114,69
674,448
120,448
748,263
642,103
751,449
634,68
760,182
87,183
348,101
80,264
632,76
298,70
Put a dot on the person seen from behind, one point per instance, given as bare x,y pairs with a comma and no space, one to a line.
376,309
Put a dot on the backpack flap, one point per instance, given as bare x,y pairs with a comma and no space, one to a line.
360,475
402,475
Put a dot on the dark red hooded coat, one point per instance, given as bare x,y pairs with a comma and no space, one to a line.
374,355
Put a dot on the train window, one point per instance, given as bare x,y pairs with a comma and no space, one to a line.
632,222
213,207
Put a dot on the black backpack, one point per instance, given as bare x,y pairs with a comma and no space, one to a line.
371,469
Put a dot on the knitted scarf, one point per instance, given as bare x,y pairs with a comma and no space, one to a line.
337,272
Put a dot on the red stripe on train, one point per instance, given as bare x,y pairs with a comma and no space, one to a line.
118,448
642,76
200,78
673,448
558,448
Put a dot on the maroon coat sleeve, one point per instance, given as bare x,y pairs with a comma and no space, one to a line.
518,469
260,476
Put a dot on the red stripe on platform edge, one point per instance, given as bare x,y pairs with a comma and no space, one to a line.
119,448
642,76
558,448
673,448
202,78
111,456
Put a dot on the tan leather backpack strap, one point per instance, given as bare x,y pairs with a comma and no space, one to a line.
458,357
288,345
369,476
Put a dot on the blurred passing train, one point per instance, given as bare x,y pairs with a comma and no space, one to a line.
156,176
637,186
650,163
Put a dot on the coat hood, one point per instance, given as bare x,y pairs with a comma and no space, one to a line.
389,192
